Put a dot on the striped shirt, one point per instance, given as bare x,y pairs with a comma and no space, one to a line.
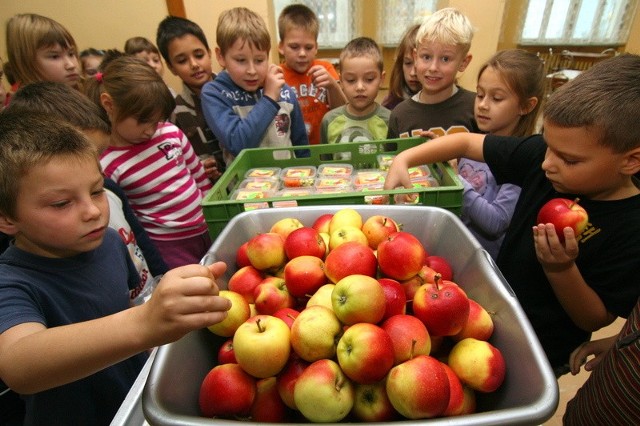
164,181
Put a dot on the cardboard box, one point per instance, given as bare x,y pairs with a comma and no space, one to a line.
529,394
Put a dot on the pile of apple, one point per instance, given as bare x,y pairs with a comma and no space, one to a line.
347,320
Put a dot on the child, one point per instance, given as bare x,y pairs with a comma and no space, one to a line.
40,49
440,107
361,75
249,105
3,91
314,81
58,100
185,49
611,394
588,151
90,59
510,87
404,82
152,160
64,283
142,48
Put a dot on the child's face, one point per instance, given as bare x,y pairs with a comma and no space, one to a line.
497,108
190,60
152,59
3,92
437,66
361,80
247,66
58,64
409,72
299,48
130,131
62,209
90,65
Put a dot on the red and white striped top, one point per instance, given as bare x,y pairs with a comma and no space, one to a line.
164,181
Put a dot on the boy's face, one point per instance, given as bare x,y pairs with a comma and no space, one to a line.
61,210
437,65
299,48
361,79
153,59
247,66
58,64
190,60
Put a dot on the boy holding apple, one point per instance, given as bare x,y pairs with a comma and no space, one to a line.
69,342
589,150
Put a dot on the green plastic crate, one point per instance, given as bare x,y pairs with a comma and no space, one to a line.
219,209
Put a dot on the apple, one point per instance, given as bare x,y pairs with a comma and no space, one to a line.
315,333
241,255
440,265
371,403
564,213
226,355
271,295
394,296
305,241
418,388
350,258
365,353
323,393
479,325
267,406
227,390
456,394
443,307
322,296
304,275
244,281
288,315
358,298
377,228
345,217
345,234
236,315
286,380
410,286
284,227
478,364
326,238
400,256
321,224
409,337
266,251
262,345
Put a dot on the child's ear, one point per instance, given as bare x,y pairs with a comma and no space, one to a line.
465,63
281,47
631,163
107,102
220,58
530,104
7,226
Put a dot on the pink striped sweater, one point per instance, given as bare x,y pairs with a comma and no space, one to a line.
164,181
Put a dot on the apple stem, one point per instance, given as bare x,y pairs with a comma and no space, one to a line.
437,277
413,348
260,327
577,199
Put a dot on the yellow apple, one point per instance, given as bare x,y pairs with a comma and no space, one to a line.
262,345
285,226
345,217
347,233
315,332
322,296
239,313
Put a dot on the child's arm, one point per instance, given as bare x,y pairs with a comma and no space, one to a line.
34,358
597,348
322,77
194,165
492,217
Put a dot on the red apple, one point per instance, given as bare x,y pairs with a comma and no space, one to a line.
372,404
227,390
395,298
400,256
563,213
241,255
288,377
267,406
419,388
409,337
350,258
358,298
321,224
244,281
365,353
478,364
266,251
226,354
443,307
456,394
441,266
479,325
262,345
304,275
305,241
377,228
410,286
288,315
271,295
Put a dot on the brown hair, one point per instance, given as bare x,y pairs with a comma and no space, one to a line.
298,16
397,85
362,46
243,24
139,44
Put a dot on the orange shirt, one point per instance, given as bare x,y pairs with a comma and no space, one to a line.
313,101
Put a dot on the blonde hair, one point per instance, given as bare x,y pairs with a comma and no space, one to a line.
446,26
28,32
243,24
297,16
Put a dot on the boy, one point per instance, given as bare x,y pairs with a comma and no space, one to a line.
589,151
249,105
361,75
440,107
69,343
184,48
314,81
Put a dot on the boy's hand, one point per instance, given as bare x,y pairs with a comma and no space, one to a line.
273,82
321,77
552,255
211,169
186,299
398,174
598,348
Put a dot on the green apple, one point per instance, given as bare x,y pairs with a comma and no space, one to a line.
262,345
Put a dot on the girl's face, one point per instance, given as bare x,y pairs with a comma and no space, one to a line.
437,66
130,131
90,65
247,66
497,108
409,72
58,64
153,59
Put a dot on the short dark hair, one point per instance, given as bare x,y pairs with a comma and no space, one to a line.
363,46
173,27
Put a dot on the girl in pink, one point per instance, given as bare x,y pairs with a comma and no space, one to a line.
151,159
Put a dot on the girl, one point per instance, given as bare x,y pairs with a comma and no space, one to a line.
41,49
151,159
510,88
404,81
90,59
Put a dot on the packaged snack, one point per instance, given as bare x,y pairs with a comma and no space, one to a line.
419,172
296,177
335,170
250,194
263,173
260,184
295,192
333,182
368,177
384,161
425,182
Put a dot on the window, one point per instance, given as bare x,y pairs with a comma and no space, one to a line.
577,22
395,16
